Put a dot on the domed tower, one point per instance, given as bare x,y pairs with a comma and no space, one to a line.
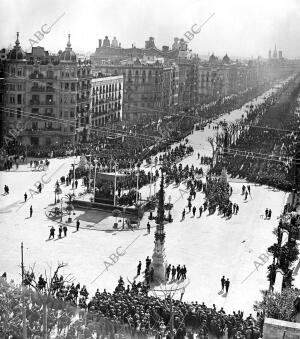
17,53
213,59
226,59
68,55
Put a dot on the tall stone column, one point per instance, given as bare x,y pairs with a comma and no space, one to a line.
158,257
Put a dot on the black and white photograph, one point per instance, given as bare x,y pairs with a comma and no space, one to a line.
150,169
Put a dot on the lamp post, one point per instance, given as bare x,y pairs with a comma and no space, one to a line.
115,183
57,191
151,178
61,201
74,177
96,162
137,184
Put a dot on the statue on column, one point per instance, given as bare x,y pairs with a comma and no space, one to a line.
158,257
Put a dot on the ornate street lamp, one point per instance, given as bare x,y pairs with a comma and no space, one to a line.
57,192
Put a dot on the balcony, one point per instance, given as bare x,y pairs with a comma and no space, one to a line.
42,89
38,131
41,103
42,76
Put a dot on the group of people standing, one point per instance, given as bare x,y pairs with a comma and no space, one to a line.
177,273
225,283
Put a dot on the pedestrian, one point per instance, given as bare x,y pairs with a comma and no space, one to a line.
227,283
243,189
65,230
40,188
168,270
223,280
266,213
52,231
173,272
269,214
139,266
148,262
77,225
183,214
246,195
148,227
200,211
76,183
178,272
183,272
194,210
190,206
30,211
25,197
60,231
248,188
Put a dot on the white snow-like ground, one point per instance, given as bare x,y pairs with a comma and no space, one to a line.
209,246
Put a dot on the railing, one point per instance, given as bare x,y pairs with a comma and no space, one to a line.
41,103
42,89
42,76
41,130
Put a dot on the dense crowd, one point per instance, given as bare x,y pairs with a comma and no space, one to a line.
264,155
128,312
128,144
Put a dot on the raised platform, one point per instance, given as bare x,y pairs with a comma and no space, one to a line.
105,207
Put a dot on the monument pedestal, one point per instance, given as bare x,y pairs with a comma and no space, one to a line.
158,264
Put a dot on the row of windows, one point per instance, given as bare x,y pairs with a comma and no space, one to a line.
19,72
49,126
105,108
13,99
49,112
14,114
14,87
137,72
50,73
107,88
103,97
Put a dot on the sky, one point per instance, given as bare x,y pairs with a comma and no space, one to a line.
240,28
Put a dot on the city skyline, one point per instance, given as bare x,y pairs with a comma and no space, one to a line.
261,25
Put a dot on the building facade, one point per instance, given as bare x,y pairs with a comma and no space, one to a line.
46,97
150,89
106,101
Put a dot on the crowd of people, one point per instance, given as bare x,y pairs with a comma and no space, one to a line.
135,312
263,153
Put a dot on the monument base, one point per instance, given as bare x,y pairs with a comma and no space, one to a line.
158,265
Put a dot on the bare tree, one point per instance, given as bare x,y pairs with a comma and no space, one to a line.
168,292
46,288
